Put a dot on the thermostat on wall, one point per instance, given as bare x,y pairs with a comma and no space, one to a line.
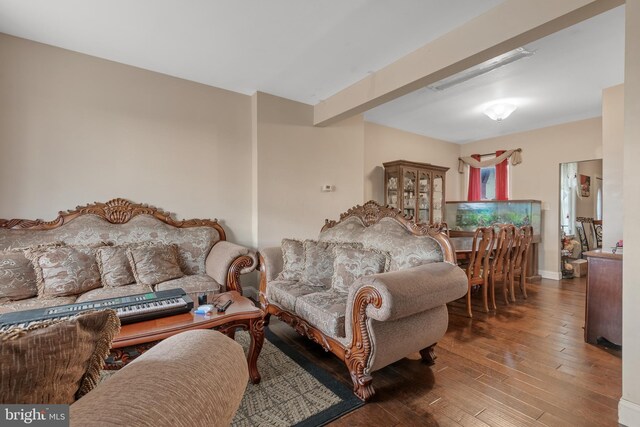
327,188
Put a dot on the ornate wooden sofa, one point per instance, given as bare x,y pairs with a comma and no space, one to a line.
384,316
209,262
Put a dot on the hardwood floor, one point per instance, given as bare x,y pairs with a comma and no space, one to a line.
526,364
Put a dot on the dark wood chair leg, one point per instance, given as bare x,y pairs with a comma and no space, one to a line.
485,299
429,355
469,302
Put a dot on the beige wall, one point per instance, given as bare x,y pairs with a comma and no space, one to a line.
294,160
538,177
385,144
76,129
630,402
612,164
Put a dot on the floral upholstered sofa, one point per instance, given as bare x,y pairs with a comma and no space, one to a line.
113,249
372,289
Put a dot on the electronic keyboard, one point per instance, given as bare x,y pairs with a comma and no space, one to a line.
130,308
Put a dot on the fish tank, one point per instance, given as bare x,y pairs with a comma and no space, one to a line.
467,216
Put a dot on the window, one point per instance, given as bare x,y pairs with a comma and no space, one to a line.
488,183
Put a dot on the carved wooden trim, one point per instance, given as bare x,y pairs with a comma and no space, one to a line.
305,329
371,213
115,211
233,275
357,356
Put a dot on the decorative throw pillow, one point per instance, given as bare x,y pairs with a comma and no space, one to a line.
17,276
318,261
352,263
154,263
64,270
293,257
55,361
114,266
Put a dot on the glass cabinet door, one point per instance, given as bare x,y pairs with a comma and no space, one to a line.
424,197
392,189
438,198
409,192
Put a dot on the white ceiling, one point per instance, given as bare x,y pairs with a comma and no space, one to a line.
301,50
309,50
560,83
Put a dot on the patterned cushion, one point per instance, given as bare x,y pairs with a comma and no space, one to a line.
64,270
119,291
55,361
114,266
285,292
406,249
351,263
17,277
318,261
324,310
153,264
293,260
194,285
32,303
194,242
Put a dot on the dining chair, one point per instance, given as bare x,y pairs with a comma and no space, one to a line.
597,231
478,268
519,257
501,261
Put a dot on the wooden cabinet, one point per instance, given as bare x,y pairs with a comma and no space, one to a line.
603,309
417,189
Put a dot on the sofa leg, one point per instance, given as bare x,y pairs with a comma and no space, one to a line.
429,355
362,385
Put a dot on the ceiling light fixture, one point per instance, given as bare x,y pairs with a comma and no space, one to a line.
500,111
482,68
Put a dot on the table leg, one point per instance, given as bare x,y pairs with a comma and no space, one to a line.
256,330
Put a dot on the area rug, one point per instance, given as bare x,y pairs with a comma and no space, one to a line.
293,391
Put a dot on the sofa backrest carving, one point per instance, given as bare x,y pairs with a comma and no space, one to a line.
118,221
387,229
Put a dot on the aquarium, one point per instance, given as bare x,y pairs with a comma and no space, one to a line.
467,216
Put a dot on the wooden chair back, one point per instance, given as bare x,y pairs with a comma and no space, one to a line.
501,262
482,247
521,246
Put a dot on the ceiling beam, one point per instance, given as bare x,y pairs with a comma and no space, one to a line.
509,25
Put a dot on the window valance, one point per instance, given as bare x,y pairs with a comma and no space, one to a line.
515,155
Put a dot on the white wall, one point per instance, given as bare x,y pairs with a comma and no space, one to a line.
75,129
629,409
538,177
385,144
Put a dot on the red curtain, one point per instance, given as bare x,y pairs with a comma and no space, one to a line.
474,182
502,178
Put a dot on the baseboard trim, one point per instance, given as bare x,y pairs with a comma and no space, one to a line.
553,275
628,413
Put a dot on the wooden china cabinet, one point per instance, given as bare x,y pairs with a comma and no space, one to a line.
416,188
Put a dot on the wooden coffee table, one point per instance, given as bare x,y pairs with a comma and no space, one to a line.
241,314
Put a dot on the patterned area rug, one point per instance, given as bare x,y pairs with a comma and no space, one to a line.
293,391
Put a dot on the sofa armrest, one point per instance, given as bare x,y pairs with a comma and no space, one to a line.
227,261
406,292
202,374
271,262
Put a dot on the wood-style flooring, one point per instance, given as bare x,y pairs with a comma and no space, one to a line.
525,364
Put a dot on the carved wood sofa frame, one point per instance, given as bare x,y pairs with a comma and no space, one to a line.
120,211
356,355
